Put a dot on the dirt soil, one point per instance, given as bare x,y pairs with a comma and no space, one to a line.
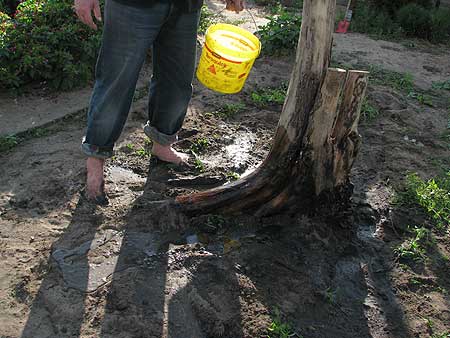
136,269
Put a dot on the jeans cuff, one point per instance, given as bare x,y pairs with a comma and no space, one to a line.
91,150
158,137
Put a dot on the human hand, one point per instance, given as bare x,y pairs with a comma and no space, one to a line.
84,9
235,5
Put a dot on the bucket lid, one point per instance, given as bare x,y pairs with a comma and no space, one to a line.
234,41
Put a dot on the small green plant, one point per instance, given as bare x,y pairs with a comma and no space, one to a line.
441,335
199,165
280,34
199,145
442,290
232,176
445,85
421,98
7,143
280,329
264,97
39,132
230,110
368,111
142,152
330,295
429,323
130,146
215,221
415,281
403,82
414,248
404,267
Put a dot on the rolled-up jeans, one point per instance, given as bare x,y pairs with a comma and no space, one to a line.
128,33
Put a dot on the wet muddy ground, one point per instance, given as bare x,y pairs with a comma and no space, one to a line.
137,269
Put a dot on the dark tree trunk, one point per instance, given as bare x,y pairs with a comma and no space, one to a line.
316,140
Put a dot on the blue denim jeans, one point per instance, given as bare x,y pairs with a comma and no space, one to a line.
128,34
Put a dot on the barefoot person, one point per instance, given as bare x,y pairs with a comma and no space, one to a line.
131,27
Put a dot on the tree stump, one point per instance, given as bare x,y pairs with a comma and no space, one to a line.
316,140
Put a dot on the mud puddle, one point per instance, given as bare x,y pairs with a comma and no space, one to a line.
236,154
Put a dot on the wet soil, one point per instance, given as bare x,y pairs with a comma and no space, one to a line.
137,269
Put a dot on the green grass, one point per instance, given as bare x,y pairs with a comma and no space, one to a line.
8,142
403,82
230,110
264,97
368,111
280,329
432,195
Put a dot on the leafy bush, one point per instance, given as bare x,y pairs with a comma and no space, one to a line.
280,34
392,6
415,20
46,42
9,6
3,8
440,25
266,2
402,18
277,3
370,20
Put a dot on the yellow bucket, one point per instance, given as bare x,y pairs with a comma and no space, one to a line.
227,58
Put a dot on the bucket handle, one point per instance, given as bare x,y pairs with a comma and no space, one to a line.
253,18
248,11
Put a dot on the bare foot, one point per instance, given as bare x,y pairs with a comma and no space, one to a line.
95,182
168,154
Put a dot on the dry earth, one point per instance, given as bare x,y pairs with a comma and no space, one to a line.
136,269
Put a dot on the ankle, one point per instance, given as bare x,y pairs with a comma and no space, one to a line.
157,147
95,163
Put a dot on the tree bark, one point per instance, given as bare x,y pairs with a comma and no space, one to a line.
316,139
